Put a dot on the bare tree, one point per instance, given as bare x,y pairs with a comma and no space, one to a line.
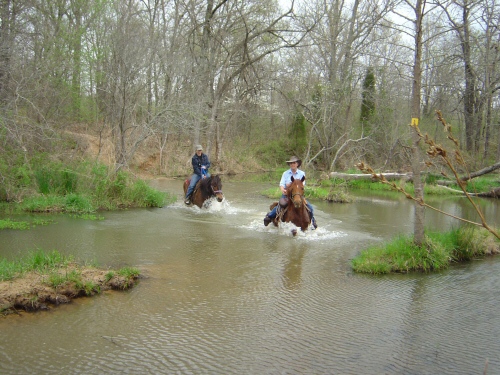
418,225
236,36
475,25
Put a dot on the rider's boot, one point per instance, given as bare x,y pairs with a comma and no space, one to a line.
267,220
313,222
187,200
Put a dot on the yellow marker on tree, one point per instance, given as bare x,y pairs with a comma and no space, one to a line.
414,121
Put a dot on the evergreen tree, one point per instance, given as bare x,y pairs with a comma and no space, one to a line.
368,103
298,134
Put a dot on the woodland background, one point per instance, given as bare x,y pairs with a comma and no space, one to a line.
137,83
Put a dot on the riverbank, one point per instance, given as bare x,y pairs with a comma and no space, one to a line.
42,281
440,250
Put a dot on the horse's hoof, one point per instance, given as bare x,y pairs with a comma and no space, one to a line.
294,232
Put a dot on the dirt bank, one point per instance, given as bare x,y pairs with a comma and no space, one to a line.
33,291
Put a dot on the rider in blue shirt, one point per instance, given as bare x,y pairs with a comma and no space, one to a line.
200,164
286,180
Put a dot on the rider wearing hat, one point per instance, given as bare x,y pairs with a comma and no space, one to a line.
200,164
286,180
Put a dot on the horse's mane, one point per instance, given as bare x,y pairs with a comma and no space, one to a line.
206,182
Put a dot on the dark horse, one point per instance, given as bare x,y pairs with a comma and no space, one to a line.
296,211
205,189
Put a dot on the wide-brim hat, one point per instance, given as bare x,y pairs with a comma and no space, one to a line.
198,148
293,159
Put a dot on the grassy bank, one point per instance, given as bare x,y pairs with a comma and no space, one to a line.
439,252
82,188
40,279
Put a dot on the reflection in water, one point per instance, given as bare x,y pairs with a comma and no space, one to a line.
222,294
293,268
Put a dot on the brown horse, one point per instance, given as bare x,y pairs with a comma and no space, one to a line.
296,211
205,189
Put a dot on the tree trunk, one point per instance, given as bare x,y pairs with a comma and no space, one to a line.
418,228
6,20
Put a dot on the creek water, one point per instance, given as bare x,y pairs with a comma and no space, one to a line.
222,294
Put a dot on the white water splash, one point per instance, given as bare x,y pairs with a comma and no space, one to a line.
285,229
212,206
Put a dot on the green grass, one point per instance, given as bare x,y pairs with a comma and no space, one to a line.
37,260
55,267
128,272
81,188
439,251
479,184
11,224
56,279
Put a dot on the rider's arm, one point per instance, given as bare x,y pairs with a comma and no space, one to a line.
196,166
206,162
283,182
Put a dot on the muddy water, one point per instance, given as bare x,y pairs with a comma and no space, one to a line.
223,294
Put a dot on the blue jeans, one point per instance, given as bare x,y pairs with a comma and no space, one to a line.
272,214
194,180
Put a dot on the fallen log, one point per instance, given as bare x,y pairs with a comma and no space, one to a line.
495,193
446,182
481,172
364,176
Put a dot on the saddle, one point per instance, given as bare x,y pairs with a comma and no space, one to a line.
196,187
282,207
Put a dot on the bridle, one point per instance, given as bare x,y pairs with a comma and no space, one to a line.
215,192
293,195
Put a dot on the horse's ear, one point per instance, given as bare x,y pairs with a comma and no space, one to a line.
303,178
293,179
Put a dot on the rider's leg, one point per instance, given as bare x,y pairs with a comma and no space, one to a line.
311,215
271,215
194,180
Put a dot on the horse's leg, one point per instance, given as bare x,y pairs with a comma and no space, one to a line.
306,220
196,198
290,217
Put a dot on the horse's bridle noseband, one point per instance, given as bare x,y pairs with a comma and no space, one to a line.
215,191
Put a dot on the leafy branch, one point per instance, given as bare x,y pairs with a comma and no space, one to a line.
436,150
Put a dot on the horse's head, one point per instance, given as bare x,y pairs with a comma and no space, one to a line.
216,185
296,192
